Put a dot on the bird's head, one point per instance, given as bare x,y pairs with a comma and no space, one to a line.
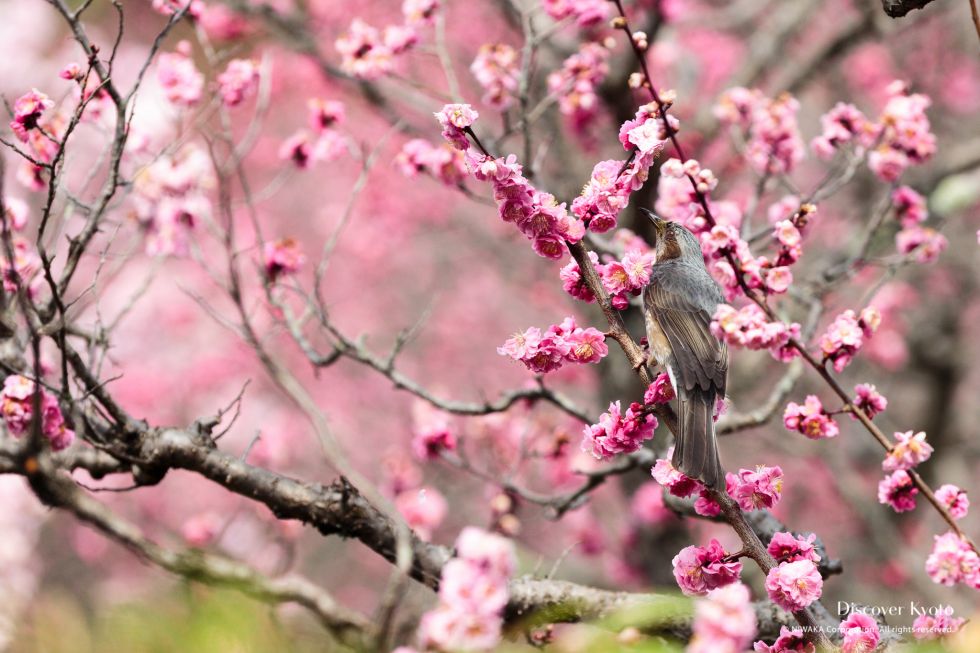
671,240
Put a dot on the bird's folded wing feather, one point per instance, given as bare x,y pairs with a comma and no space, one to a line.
683,308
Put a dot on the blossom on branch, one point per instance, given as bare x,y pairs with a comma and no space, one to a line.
756,489
238,81
955,500
700,569
928,626
618,432
28,109
789,641
810,419
953,561
660,391
182,82
724,622
898,491
577,83
560,344
786,547
908,451
860,633
282,258
869,400
495,68
794,585
17,406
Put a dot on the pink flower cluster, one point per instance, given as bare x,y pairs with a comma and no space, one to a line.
724,622
28,109
859,633
282,258
322,141
928,626
723,240
170,198
443,162
618,432
953,561
774,144
369,53
586,12
898,491
431,432
924,243
910,206
749,327
869,400
786,547
680,485
756,489
955,500
810,419
626,278
17,406
495,68
794,585
238,81
577,82
845,336
560,344
472,595
700,569
789,641
906,138
677,197
660,391
182,82
454,120
541,219
572,281
843,125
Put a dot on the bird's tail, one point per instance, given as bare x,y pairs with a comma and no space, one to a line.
696,449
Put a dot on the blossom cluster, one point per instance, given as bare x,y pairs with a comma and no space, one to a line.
238,81
811,419
618,432
182,82
559,344
859,633
443,162
724,622
786,547
17,405
954,499
794,585
906,138
844,125
42,137
28,109
472,595
321,141
369,53
789,641
495,68
170,199
680,200
700,569
756,489
586,12
898,489
869,400
774,144
953,561
927,626
749,327
660,391
576,84
846,334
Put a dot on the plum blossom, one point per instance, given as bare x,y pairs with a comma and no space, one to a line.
423,510
363,52
927,626
700,569
17,408
910,206
908,451
420,12
560,344
238,81
869,400
843,125
786,547
495,68
774,142
955,500
647,506
906,138
860,633
660,391
845,336
618,432
675,481
953,561
794,585
630,276
925,244
898,491
749,327
282,258
443,162
810,419
577,83
586,12
193,8
724,622
324,114
431,432
572,281
28,109
789,641
22,272
472,595
756,489
454,119
182,82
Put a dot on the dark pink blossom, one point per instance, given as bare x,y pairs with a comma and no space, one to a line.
955,500
647,506
324,114
28,109
869,400
758,488
924,243
573,283
281,258
673,479
700,569
786,547
577,83
363,52
860,633
898,491
794,585
618,432
842,125
660,391
910,206
749,327
420,12
810,419
496,69
789,641
17,408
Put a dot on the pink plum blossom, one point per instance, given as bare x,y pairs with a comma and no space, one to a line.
774,144
908,451
789,641
898,491
700,569
431,432
860,633
724,621
282,258
182,82
420,12
843,125
927,626
363,52
423,510
647,506
955,500
496,70
749,327
660,391
577,83
758,488
673,479
28,109
910,206
238,81
810,419
618,432
201,529
574,284
562,343
953,561
794,585
923,243
586,12
869,400
17,408
786,547
454,119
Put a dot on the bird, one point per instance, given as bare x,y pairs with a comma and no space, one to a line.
678,304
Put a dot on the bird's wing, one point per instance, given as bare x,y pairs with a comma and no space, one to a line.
683,307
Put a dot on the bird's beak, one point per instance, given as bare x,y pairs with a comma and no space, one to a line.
658,222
